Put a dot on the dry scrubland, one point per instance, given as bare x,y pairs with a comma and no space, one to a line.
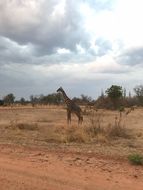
39,151
102,132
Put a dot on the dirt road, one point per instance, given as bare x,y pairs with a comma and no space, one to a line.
39,169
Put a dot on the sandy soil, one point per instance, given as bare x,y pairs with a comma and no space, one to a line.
23,168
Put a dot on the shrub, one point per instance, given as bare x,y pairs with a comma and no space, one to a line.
114,129
117,129
95,124
136,159
76,135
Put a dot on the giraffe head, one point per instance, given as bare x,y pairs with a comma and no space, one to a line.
60,89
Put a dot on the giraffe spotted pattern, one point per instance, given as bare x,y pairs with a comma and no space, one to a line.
72,107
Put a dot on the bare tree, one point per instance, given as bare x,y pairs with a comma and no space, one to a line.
139,93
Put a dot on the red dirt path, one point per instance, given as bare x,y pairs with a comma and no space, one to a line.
24,168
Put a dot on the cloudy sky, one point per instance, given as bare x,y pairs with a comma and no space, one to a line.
83,45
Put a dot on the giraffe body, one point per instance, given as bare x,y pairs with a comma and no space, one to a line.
72,107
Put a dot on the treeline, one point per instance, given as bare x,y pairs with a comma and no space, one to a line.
54,98
116,97
113,98
50,99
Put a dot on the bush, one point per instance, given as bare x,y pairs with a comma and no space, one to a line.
95,124
77,135
116,129
104,103
136,159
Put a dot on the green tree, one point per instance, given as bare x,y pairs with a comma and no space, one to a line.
115,93
54,98
9,99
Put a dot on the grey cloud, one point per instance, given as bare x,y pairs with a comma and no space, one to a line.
132,56
39,27
32,35
11,52
20,80
64,32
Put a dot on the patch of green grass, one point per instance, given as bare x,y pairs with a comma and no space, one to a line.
136,159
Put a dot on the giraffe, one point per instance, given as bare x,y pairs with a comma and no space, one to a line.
71,107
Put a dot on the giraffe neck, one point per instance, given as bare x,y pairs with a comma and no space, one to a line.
66,98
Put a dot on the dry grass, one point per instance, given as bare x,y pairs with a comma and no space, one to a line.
25,126
119,132
77,135
99,128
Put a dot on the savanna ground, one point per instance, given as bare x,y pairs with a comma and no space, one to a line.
39,151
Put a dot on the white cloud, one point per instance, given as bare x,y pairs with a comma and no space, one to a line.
63,51
128,15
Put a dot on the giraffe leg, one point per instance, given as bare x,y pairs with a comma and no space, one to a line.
80,118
